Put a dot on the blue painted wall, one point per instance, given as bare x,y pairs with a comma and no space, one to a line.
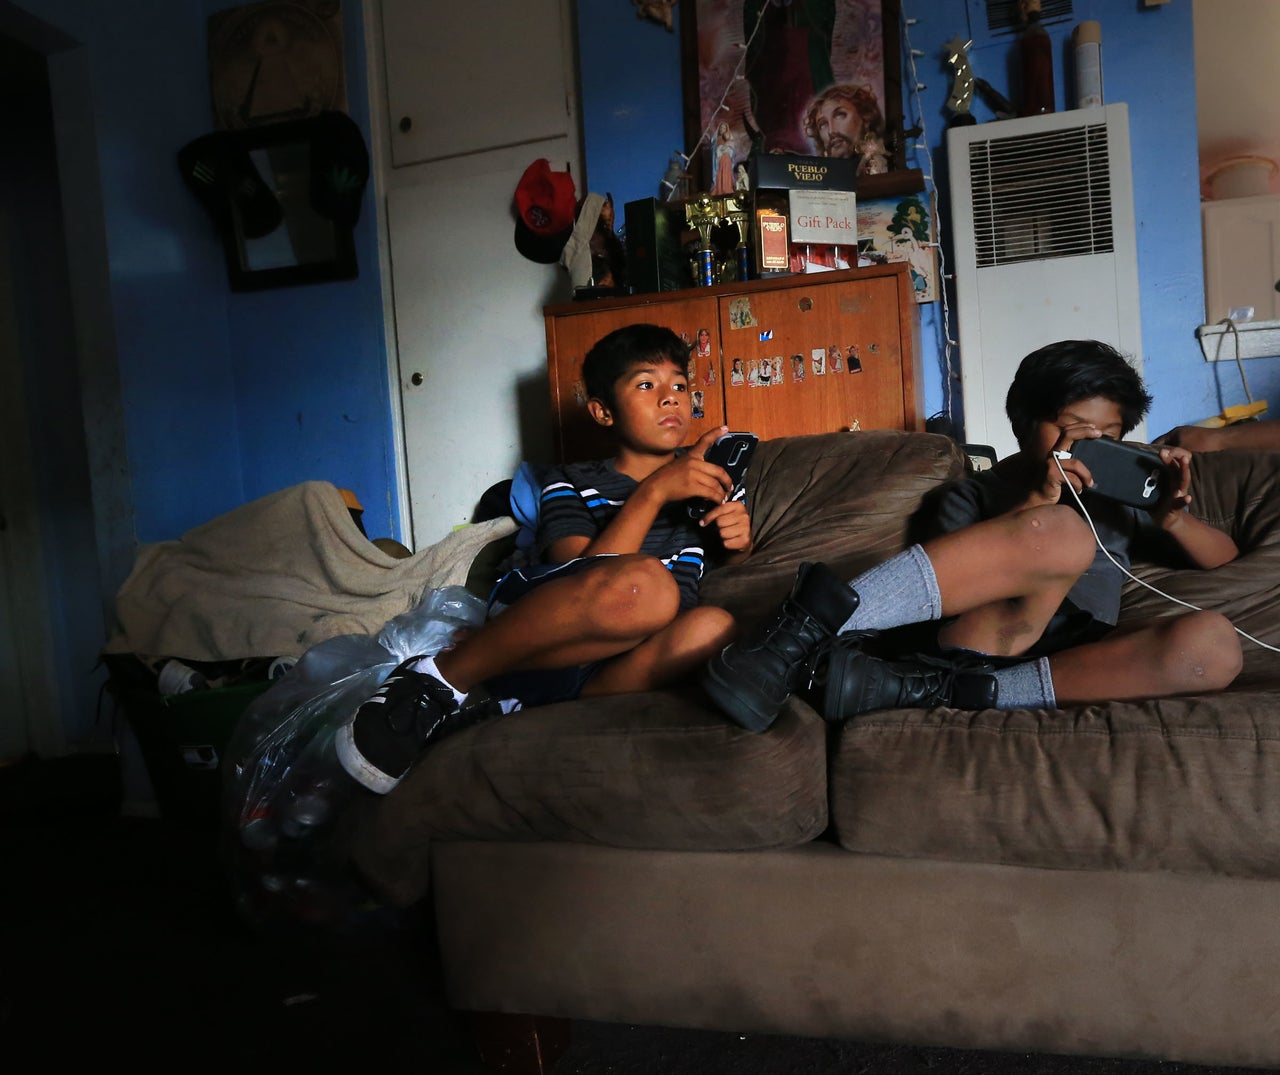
1148,63
226,396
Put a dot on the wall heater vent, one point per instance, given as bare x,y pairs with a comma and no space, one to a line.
1003,16
1041,196
1045,249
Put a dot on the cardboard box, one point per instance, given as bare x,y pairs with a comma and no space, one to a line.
774,246
789,171
829,217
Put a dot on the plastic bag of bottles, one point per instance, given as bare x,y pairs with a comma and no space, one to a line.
284,790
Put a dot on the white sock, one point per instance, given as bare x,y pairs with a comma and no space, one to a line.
428,665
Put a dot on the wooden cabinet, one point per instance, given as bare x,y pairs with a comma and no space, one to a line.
802,354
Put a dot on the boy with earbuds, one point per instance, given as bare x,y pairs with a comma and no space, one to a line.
611,604
1010,604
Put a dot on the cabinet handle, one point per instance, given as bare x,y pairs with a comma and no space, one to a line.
405,124
416,379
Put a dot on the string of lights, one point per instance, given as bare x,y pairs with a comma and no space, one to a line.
670,181
922,146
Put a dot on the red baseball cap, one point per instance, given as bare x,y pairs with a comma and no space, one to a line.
546,205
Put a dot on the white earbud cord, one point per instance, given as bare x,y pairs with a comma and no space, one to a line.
1176,600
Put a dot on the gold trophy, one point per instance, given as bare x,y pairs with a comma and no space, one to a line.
703,214
733,208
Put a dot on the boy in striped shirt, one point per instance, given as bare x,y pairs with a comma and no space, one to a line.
611,604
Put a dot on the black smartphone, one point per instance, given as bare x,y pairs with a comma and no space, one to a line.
1129,473
732,451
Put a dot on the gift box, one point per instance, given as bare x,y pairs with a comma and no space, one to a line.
790,171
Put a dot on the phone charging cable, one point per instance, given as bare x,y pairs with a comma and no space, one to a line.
1057,460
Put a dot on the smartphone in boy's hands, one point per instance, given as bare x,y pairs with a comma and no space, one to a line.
733,452
1129,473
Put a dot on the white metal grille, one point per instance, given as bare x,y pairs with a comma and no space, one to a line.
1045,195
1003,18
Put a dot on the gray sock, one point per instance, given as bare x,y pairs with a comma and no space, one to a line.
901,590
1025,686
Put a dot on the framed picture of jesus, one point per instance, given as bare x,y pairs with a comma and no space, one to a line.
819,78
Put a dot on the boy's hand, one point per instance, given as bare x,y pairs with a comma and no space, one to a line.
690,475
732,523
1059,456
1177,485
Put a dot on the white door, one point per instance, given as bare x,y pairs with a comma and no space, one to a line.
473,95
470,336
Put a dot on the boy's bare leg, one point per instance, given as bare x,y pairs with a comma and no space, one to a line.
1192,653
606,609
1004,578
667,656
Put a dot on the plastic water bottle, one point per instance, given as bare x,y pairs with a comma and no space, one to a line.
178,678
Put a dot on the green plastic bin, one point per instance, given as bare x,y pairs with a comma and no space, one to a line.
182,739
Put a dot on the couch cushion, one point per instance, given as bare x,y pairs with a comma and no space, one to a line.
842,498
1183,784
653,770
1238,492
1187,783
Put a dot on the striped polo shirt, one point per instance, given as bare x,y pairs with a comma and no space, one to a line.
581,499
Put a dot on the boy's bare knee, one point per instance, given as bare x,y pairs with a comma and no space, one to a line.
635,594
1203,652
1058,538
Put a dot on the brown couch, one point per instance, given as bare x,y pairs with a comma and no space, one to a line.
1098,880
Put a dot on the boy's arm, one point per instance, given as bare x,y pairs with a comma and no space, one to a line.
1204,545
1261,436
624,533
683,478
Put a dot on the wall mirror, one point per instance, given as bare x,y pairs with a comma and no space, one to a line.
276,237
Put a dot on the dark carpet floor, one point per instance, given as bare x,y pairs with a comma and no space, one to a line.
119,941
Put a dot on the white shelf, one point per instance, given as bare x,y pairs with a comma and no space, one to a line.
1256,339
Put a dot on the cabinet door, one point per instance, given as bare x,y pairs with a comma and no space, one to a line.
817,358
571,336
462,80
1242,257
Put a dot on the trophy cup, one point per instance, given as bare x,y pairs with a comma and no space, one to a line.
702,213
733,208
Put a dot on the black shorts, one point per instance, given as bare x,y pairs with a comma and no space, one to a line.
1069,626
545,685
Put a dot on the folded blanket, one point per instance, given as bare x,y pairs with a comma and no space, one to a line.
276,576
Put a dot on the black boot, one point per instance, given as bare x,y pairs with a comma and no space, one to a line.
845,681
751,679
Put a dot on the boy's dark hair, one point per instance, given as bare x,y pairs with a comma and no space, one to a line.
627,347
1054,377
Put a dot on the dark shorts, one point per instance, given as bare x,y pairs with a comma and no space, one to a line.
1070,626
541,686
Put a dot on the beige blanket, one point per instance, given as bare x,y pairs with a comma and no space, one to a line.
276,576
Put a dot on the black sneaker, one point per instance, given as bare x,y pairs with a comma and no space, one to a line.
845,681
388,732
751,679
